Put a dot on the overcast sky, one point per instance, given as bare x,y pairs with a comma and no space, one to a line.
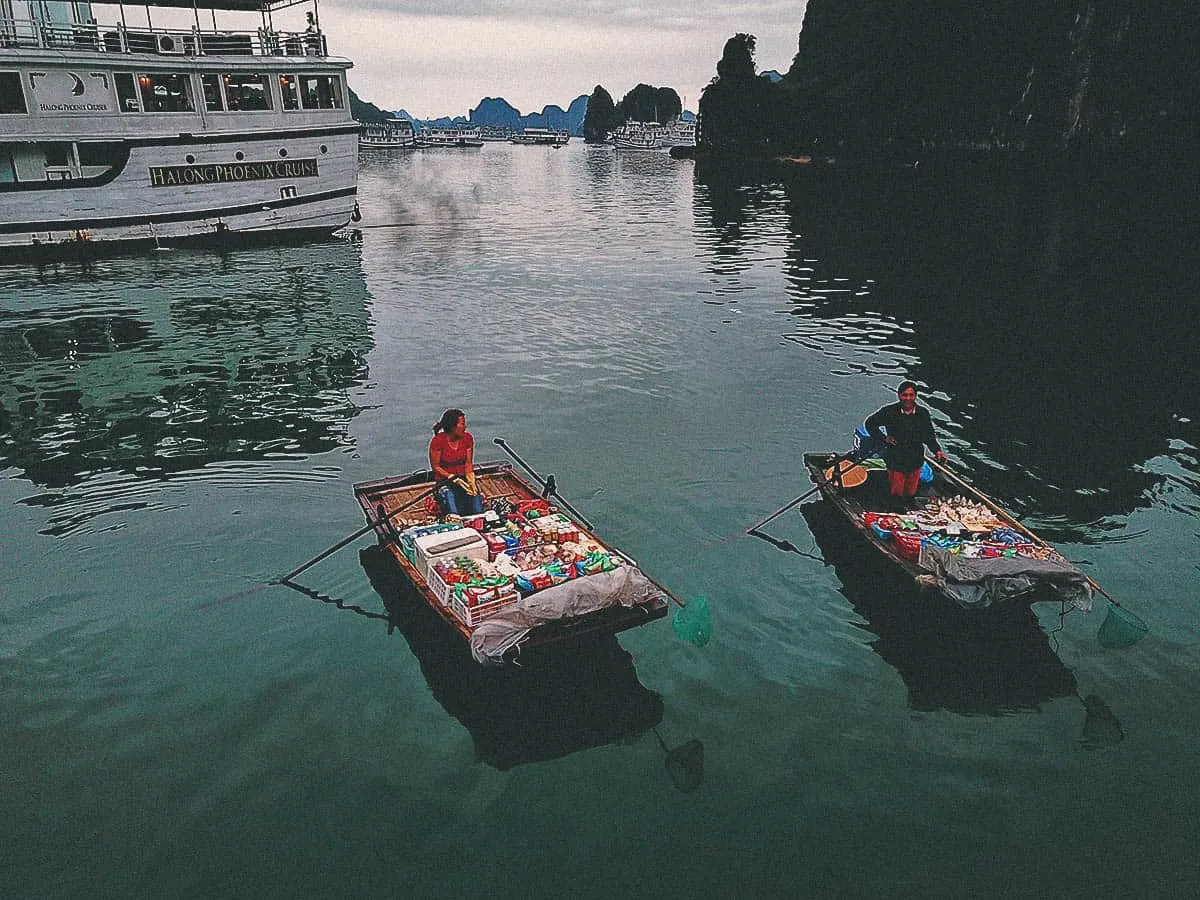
441,57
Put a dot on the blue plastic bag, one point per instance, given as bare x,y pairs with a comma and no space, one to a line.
865,446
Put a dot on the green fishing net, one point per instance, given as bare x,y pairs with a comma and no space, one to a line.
692,622
1121,628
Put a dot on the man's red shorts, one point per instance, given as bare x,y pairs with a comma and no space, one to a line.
904,484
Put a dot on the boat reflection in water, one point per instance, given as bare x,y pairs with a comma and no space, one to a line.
963,661
180,362
580,696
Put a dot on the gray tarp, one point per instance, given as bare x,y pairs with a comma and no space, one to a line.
624,586
977,583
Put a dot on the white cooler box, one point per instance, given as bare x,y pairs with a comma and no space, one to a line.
462,542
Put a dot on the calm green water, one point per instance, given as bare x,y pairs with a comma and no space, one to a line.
177,429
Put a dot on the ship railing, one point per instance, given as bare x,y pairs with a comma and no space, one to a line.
23,33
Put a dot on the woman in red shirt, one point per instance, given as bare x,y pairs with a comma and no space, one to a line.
452,458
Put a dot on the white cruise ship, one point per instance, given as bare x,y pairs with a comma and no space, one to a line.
542,136
655,136
125,131
448,136
391,135
639,136
680,133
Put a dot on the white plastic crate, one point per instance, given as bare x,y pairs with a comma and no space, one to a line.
445,593
440,589
473,615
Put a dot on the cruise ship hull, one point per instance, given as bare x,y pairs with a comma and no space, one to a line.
157,196
118,143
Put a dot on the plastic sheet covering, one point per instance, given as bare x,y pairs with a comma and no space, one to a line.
977,583
624,586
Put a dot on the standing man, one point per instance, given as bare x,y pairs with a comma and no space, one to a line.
909,431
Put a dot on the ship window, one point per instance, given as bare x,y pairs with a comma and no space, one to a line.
247,91
126,92
57,154
211,82
99,153
58,161
287,88
12,100
165,92
99,157
321,91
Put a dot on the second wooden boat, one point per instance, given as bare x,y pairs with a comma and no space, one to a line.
953,539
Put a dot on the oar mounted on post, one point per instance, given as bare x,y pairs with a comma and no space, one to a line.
549,486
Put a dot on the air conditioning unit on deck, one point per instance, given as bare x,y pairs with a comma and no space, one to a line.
170,44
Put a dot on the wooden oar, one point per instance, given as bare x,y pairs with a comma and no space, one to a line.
779,512
551,488
352,537
1008,517
548,484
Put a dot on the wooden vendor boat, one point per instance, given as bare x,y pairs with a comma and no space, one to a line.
954,540
601,592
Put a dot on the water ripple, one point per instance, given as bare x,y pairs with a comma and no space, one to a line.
245,355
77,510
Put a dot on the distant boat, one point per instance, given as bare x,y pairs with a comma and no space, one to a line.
639,136
390,135
542,136
680,134
654,135
438,136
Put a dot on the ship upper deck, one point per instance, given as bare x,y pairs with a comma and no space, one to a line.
75,29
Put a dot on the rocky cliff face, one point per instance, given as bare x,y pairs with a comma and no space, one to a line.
1059,77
